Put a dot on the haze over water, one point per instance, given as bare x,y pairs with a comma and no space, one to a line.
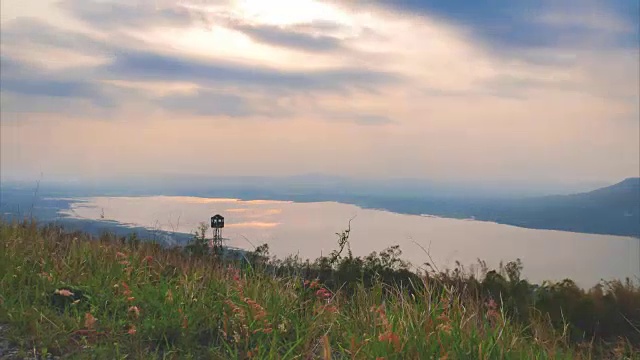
309,230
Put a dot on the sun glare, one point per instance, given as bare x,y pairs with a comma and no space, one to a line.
289,12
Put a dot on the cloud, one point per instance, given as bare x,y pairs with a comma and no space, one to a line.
30,31
527,23
54,88
21,79
153,66
118,13
538,32
359,119
117,73
290,37
373,120
207,103
32,43
515,86
529,88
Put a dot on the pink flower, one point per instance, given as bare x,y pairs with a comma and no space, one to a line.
64,292
120,255
135,311
89,321
132,330
323,293
127,291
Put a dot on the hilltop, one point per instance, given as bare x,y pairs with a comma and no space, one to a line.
72,295
610,210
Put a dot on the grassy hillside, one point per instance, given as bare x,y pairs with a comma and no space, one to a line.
67,294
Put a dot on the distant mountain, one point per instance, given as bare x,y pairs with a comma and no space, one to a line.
613,210
624,192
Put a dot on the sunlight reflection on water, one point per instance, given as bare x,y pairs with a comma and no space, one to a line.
309,230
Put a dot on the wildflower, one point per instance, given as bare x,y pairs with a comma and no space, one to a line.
120,255
444,327
130,298
492,313
382,315
314,284
390,337
127,291
64,292
323,293
306,282
46,275
185,323
257,310
491,304
234,308
147,259
135,311
124,262
132,330
387,336
331,309
89,321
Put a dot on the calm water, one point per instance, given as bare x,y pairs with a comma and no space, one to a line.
308,229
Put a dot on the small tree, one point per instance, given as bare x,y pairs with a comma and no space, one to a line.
199,244
132,240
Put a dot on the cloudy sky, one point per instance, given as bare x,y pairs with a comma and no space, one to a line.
531,90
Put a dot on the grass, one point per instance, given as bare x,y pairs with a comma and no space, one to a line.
71,295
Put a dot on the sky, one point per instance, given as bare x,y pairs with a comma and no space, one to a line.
448,90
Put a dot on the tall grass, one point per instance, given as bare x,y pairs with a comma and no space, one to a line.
70,294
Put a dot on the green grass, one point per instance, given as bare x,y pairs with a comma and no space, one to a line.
185,307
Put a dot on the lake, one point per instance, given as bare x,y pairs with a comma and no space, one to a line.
309,230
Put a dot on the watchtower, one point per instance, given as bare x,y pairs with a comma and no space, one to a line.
217,223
